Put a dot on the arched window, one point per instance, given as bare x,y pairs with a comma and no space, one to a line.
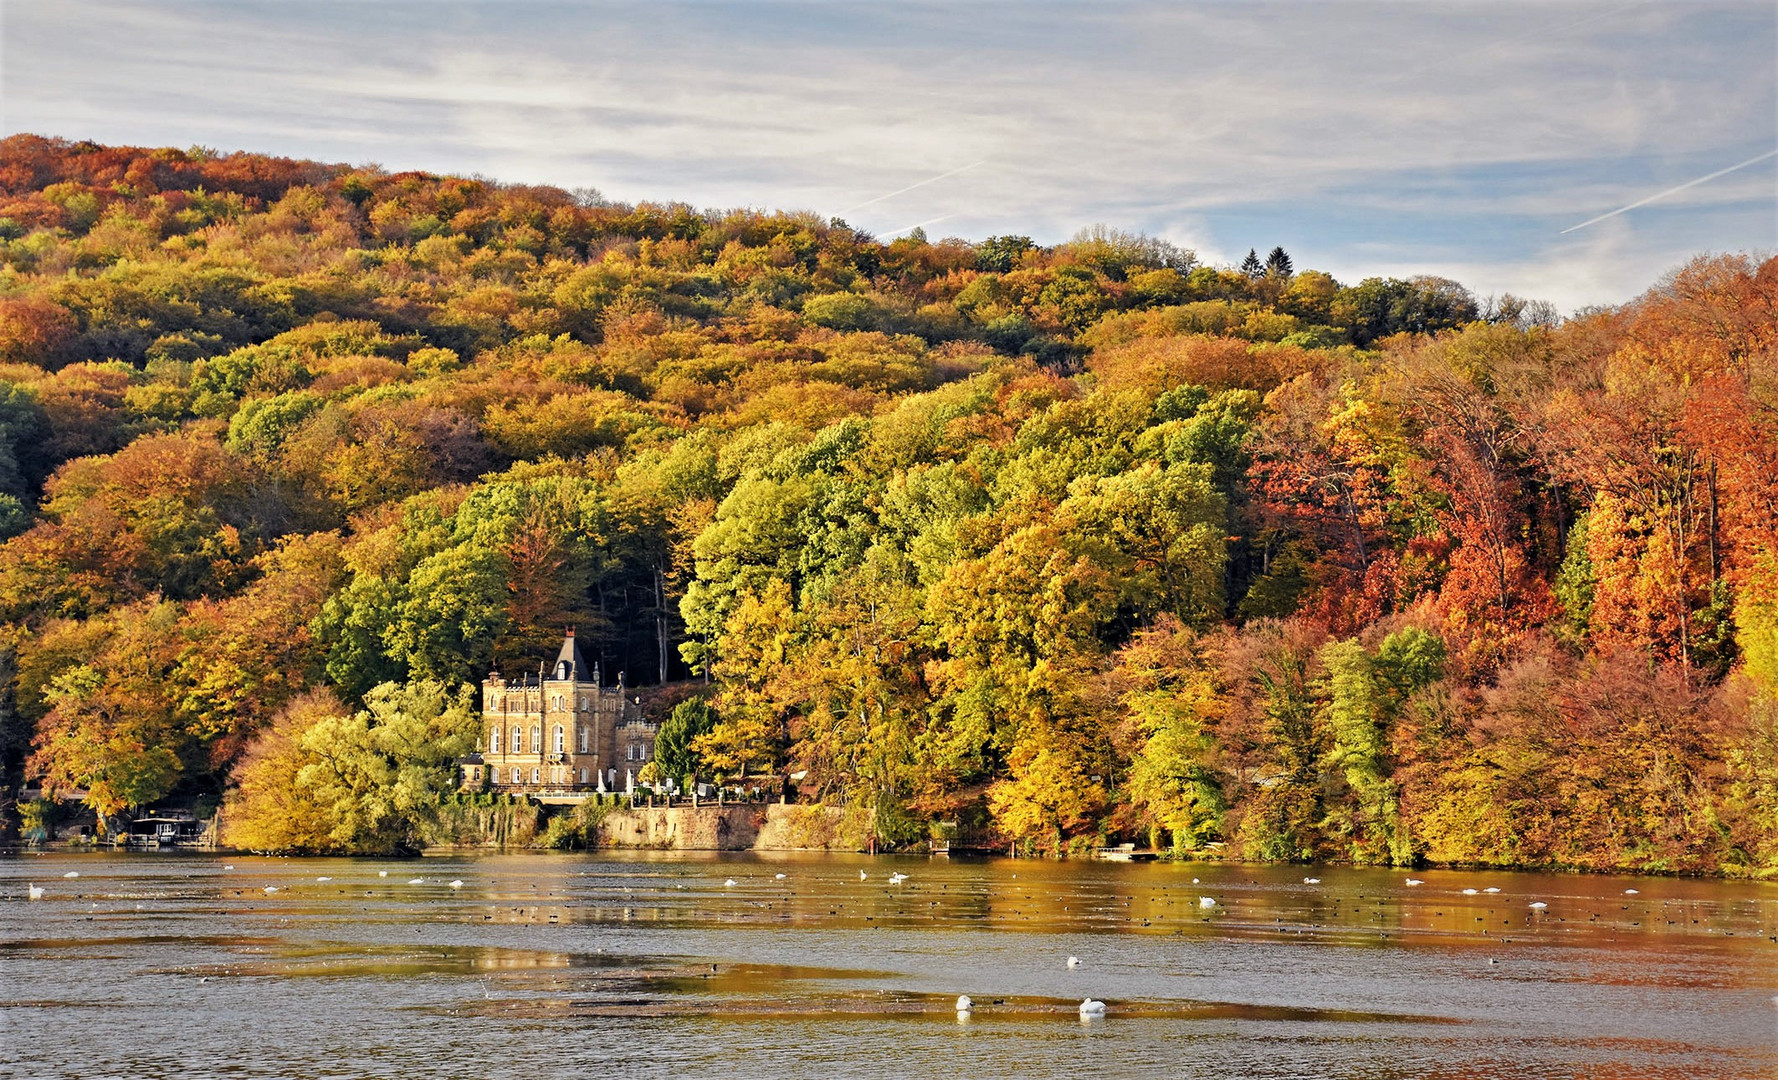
558,739
494,741
518,740
583,738
583,706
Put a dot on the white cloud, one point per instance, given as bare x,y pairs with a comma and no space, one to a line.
1437,136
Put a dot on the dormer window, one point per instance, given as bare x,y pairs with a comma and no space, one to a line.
562,670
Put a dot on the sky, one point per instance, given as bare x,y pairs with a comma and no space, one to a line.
1464,140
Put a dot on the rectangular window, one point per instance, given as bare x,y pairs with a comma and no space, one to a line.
515,774
558,738
583,734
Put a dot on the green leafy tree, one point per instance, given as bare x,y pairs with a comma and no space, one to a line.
690,719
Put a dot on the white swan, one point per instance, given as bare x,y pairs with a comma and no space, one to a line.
1468,892
897,878
1415,881
1090,1007
1490,889
72,873
323,879
1632,892
1206,901
862,875
34,890
1538,905
1074,961
457,884
780,877
1311,881
964,1004
729,884
417,881
382,873
270,889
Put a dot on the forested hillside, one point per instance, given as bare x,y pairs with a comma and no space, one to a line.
1069,543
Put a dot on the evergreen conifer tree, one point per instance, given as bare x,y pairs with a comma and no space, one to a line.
1250,266
1278,263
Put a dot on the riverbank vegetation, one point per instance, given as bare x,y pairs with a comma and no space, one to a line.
1059,544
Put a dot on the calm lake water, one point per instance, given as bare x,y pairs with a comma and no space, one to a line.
611,964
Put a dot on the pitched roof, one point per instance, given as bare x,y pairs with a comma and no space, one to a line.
582,671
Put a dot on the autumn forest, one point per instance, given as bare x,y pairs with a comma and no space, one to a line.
1055,545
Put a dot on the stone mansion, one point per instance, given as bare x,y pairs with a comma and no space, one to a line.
559,730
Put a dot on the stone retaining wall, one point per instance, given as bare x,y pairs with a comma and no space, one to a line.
743,827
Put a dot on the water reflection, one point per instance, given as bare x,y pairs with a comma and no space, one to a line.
801,967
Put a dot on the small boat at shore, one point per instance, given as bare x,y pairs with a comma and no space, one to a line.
1124,853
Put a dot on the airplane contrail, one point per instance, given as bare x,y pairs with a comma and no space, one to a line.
910,187
919,225
1673,190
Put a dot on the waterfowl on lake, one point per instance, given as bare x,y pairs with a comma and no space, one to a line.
34,890
964,1004
1090,1007
1074,961
1415,881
